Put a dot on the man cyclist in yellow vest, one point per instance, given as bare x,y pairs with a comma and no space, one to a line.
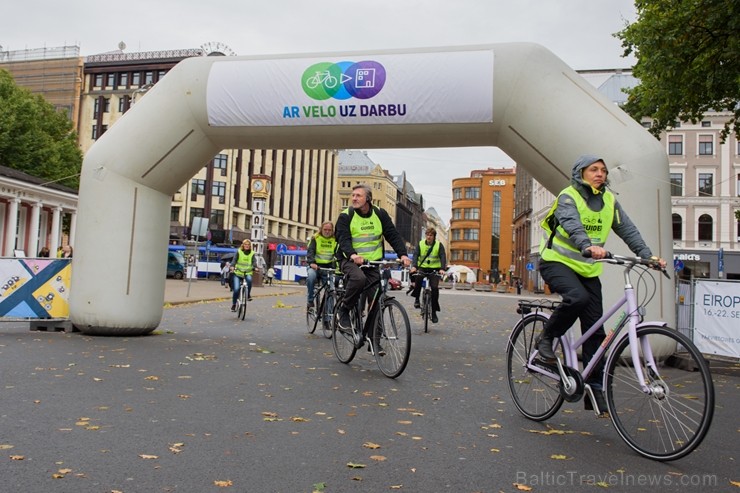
430,257
244,266
320,253
578,224
361,229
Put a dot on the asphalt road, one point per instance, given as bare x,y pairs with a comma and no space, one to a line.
211,403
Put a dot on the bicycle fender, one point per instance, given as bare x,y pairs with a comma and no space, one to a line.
659,323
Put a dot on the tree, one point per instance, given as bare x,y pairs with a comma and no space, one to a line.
688,61
36,138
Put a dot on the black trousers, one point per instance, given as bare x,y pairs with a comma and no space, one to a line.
356,279
582,301
433,283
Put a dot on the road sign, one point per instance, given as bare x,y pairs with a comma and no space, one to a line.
678,265
530,266
281,248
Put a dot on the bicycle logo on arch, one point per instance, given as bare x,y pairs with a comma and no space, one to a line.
343,80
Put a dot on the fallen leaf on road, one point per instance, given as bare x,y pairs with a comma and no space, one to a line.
370,445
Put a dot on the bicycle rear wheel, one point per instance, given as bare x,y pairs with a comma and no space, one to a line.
242,312
343,340
327,313
671,418
536,395
393,338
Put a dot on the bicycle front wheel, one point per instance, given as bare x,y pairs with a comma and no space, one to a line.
392,339
426,309
670,417
313,314
536,395
343,341
242,312
327,313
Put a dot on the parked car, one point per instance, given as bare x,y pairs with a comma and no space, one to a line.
394,284
175,265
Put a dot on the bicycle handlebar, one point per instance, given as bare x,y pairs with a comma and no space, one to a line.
612,258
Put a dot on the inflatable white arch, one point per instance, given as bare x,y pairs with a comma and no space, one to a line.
518,97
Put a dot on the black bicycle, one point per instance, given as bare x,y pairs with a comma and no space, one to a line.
387,329
426,296
324,302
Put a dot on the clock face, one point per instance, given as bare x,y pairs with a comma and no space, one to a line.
257,186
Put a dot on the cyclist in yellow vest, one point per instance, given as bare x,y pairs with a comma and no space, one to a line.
320,253
361,230
244,266
578,223
430,257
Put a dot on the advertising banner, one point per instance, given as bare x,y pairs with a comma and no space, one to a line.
34,288
717,318
416,88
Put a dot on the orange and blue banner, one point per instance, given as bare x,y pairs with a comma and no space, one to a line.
32,288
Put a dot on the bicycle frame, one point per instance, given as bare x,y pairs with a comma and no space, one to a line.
632,321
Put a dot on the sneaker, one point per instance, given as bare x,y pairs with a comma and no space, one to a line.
416,303
309,307
544,346
343,317
249,298
233,308
434,318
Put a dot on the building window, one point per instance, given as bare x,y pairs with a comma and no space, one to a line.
136,79
705,227
345,203
706,145
470,234
473,213
705,184
676,185
456,255
148,77
472,192
218,189
470,256
706,124
677,227
457,213
737,185
456,193
160,74
219,163
106,105
175,213
217,219
456,234
195,212
675,145
98,80
96,108
197,187
111,80
495,229
94,134
124,103
123,80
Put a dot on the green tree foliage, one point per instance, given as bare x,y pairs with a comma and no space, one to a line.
688,54
34,137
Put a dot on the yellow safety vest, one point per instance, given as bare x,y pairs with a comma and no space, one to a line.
243,262
325,248
597,226
367,235
431,261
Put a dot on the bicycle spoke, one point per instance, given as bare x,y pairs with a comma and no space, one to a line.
670,417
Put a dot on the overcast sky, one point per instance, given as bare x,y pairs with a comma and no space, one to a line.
578,31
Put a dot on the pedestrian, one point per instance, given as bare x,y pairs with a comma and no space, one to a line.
44,252
270,275
225,273
578,224
361,229
386,277
320,253
67,251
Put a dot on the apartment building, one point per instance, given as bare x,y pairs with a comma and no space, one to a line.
481,229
